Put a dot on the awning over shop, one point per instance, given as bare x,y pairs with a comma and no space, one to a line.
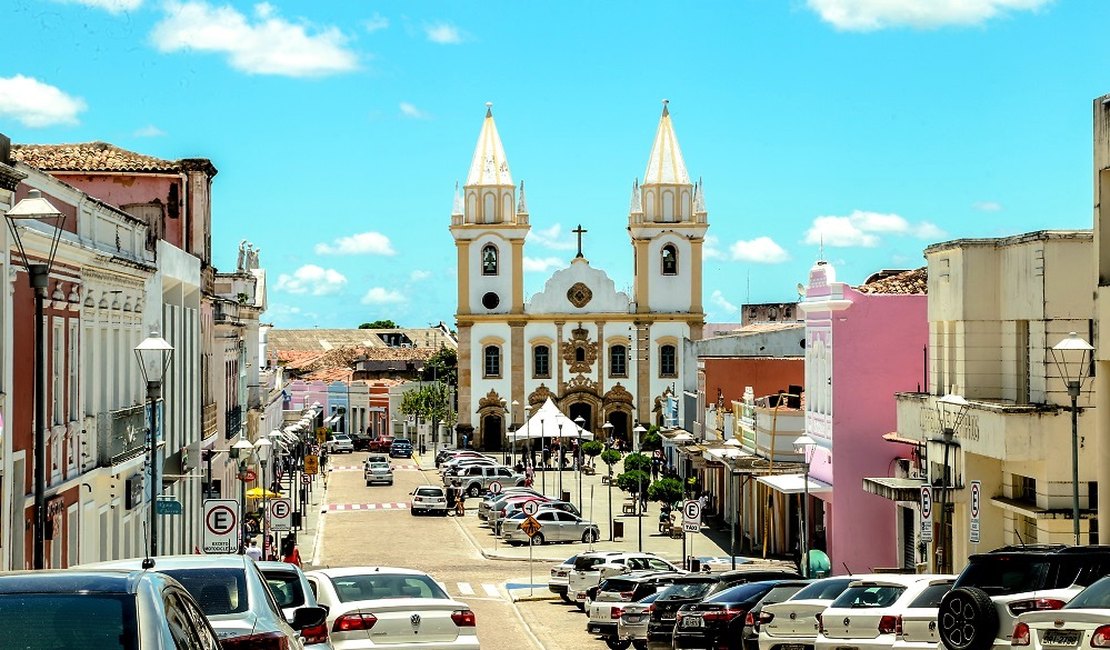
794,483
895,489
894,436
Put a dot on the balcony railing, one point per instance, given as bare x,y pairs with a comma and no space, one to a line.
121,435
209,420
234,420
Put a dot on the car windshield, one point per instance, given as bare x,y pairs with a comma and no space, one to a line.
617,585
1097,596
780,593
740,593
823,589
930,598
650,598
429,492
587,563
49,621
869,596
681,590
219,591
286,588
383,466
1004,574
376,586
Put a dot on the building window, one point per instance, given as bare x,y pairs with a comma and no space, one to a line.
669,258
580,354
74,368
667,361
492,361
541,361
1024,489
618,361
57,379
489,260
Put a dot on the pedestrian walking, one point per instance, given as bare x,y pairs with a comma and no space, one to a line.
253,552
452,496
460,503
290,553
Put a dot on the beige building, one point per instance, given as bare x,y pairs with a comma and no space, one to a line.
996,307
601,354
1102,300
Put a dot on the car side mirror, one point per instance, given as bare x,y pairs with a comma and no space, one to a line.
308,617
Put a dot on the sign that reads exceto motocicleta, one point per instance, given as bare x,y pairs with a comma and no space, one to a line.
221,526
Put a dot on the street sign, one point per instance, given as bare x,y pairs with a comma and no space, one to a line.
530,507
167,505
306,479
495,487
281,511
976,502
926,513
247,475
691,516
530,526
311,464
321,435
221,523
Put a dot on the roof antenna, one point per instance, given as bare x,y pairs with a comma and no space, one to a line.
1020,540
148,562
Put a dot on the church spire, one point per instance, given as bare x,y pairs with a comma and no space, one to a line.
489,165
521,204
665,165
457,210
699,201
635,206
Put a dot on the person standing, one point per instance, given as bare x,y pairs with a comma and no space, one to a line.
253,552
452,496
291,554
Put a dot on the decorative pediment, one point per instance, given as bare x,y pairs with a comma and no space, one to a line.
579,295
618,393
579,353
490,400
581,383
540,395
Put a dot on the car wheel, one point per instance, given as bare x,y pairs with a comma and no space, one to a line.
639,644
617,644
537,539
443,513
566,598
368,484
967,619
474,491
589,536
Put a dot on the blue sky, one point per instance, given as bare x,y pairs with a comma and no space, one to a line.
340,128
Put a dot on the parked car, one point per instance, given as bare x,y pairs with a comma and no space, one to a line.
101,608
781,591
381,443
865,616
557,526
428,498
377,472
340,443
994,588
446,455
517,514
360,441
233,595
916,628
1084,622
371,607
487,505
591,568
512,503
475,479
455,466
291,590
718,620
557,584
400,448
633,623
792,624
606,609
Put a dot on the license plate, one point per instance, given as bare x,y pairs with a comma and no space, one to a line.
581,597
1060,637
793,646
693,621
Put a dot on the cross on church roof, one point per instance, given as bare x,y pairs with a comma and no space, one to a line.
579,230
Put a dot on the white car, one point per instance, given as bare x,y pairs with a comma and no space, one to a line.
377,472
291,590
917,624
340,443
792,624
386,607
428,498
1084,622
865,615
591,568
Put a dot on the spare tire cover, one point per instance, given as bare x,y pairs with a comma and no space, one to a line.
967,619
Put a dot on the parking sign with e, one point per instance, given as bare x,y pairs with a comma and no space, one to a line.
926,513
221,526
281,514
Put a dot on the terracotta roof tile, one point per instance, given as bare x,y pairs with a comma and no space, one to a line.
915,281
99,157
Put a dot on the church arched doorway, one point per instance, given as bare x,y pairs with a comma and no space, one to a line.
582,410
491,433
621,429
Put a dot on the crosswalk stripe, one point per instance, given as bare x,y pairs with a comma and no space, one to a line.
465,589
491,590
340,507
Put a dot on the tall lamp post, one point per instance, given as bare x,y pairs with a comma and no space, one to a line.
639,430
262,450
608,428
33,209
578,458
803,445
155,355
543,445
951,410
733,443
242,451
1073,361
559,460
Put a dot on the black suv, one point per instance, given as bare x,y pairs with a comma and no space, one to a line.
994,588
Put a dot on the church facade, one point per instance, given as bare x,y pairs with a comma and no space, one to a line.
600,354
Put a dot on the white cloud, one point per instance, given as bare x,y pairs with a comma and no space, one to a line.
363,243
418,275
553,238
410,110
149,131
860,228
36,104
719,299
542,265
871,15
443,33
761,250
382,296
376,23
711,249
312,279
269,45
111,6
987,206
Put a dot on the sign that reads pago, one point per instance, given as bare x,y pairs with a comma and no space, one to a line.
221,526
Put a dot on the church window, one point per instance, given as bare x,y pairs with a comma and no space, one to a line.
541,361
670,260
618,361
580,354
667,362
492,361
489,260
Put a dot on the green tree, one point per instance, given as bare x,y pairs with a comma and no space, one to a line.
431,402
610,457
667,490
637,461
442,366
592,448
632,481
384,324
651,440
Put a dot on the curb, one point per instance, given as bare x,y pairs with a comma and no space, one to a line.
490,555
534,598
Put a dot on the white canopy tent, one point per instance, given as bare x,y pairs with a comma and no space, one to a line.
549,422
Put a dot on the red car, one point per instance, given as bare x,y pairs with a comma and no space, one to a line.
381,444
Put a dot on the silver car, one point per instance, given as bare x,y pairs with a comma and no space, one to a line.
377,472
633,622
428,498
556,526
514,514
291,590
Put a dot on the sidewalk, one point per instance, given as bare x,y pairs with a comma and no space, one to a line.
312,523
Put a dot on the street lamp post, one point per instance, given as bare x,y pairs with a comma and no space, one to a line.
578,459
639,430
262,450
241,451
733,443
543,476
951,410
803,445
29,210
608,428
154,354
559,460
1073,361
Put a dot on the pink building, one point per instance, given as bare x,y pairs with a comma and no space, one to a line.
303,394
863,344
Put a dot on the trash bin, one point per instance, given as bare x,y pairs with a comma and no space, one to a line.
618,529
693,564
566,496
